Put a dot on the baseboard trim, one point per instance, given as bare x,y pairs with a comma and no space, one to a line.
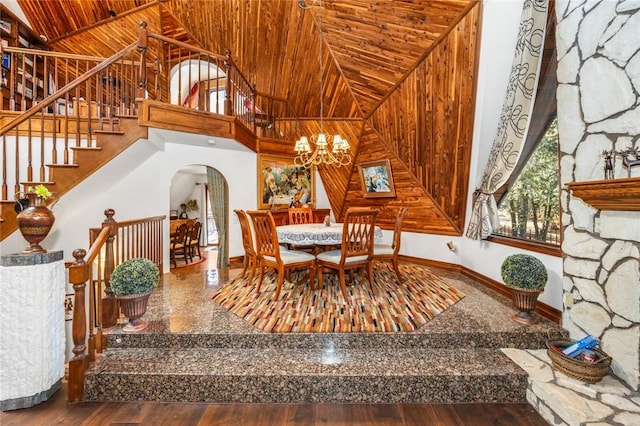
542,309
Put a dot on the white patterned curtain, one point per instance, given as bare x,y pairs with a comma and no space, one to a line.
514,119
219,199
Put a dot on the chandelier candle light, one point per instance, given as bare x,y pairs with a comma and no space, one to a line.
329,149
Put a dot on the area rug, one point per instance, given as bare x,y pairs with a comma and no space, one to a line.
394,308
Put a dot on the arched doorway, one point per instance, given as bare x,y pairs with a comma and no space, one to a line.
205,187
218,198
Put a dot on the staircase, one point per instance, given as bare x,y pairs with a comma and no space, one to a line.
213,356
109,141
88,109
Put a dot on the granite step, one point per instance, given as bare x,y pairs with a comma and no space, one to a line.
532,338
314,375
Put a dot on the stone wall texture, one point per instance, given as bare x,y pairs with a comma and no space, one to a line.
598,95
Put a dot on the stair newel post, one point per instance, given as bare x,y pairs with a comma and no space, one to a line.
143,44
110,308
228,106
78,277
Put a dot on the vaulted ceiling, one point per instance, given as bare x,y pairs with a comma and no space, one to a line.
398,75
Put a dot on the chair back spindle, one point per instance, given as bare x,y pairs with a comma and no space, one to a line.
300,215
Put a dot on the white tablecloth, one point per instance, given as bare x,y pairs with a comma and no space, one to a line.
315,233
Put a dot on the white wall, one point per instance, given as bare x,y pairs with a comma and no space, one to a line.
137,184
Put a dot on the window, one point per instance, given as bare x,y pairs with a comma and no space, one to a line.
216,99
529,204
530,209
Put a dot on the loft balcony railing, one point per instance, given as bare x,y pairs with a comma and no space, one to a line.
56,104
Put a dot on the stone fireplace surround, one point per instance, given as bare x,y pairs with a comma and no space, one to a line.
598,46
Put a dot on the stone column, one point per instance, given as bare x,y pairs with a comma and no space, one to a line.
32,334
598,45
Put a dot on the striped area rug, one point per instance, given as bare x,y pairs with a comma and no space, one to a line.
394,308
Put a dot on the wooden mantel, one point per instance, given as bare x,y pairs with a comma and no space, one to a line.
613,194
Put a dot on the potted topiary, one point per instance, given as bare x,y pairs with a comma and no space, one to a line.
526,276
132,282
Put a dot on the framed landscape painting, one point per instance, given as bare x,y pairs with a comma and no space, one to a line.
282,183
377,180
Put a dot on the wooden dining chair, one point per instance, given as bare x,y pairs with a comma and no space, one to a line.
250,263
178,245
356,251
298,215
270,254
193,244
389,252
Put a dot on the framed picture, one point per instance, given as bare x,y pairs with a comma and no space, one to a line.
377,180
68,307
282,183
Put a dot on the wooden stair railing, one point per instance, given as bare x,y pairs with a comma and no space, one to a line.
68,135
110,245
44,137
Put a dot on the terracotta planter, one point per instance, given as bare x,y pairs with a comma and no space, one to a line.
133,307
525,301
35,222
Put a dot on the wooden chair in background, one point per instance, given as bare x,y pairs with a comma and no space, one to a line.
270,254
298,215
389,252
178,245
356,250
194,240
250,263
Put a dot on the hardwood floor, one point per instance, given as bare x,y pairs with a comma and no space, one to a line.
56,411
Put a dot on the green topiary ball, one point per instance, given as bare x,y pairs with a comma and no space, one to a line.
134,276
524,271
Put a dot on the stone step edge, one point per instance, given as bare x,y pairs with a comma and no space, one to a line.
493,340
306,376
309,389
305,362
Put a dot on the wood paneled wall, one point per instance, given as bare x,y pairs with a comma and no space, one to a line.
424,214
398,79
427,125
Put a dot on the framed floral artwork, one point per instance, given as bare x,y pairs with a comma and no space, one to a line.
282,183
377,180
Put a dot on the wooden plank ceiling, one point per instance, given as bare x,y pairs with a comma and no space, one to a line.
398,76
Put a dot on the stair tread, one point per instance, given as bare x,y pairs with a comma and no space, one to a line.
108,132
87,148
337,362
62,165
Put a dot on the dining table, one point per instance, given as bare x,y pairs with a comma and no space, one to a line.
315,234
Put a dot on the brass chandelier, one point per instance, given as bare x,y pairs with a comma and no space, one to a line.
328,149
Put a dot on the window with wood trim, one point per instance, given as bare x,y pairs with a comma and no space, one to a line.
530,208
529,204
